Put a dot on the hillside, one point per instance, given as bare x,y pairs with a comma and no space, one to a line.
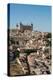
32,50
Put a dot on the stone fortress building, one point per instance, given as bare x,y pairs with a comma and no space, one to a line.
25,27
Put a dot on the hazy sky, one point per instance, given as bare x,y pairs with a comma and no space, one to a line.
40,16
